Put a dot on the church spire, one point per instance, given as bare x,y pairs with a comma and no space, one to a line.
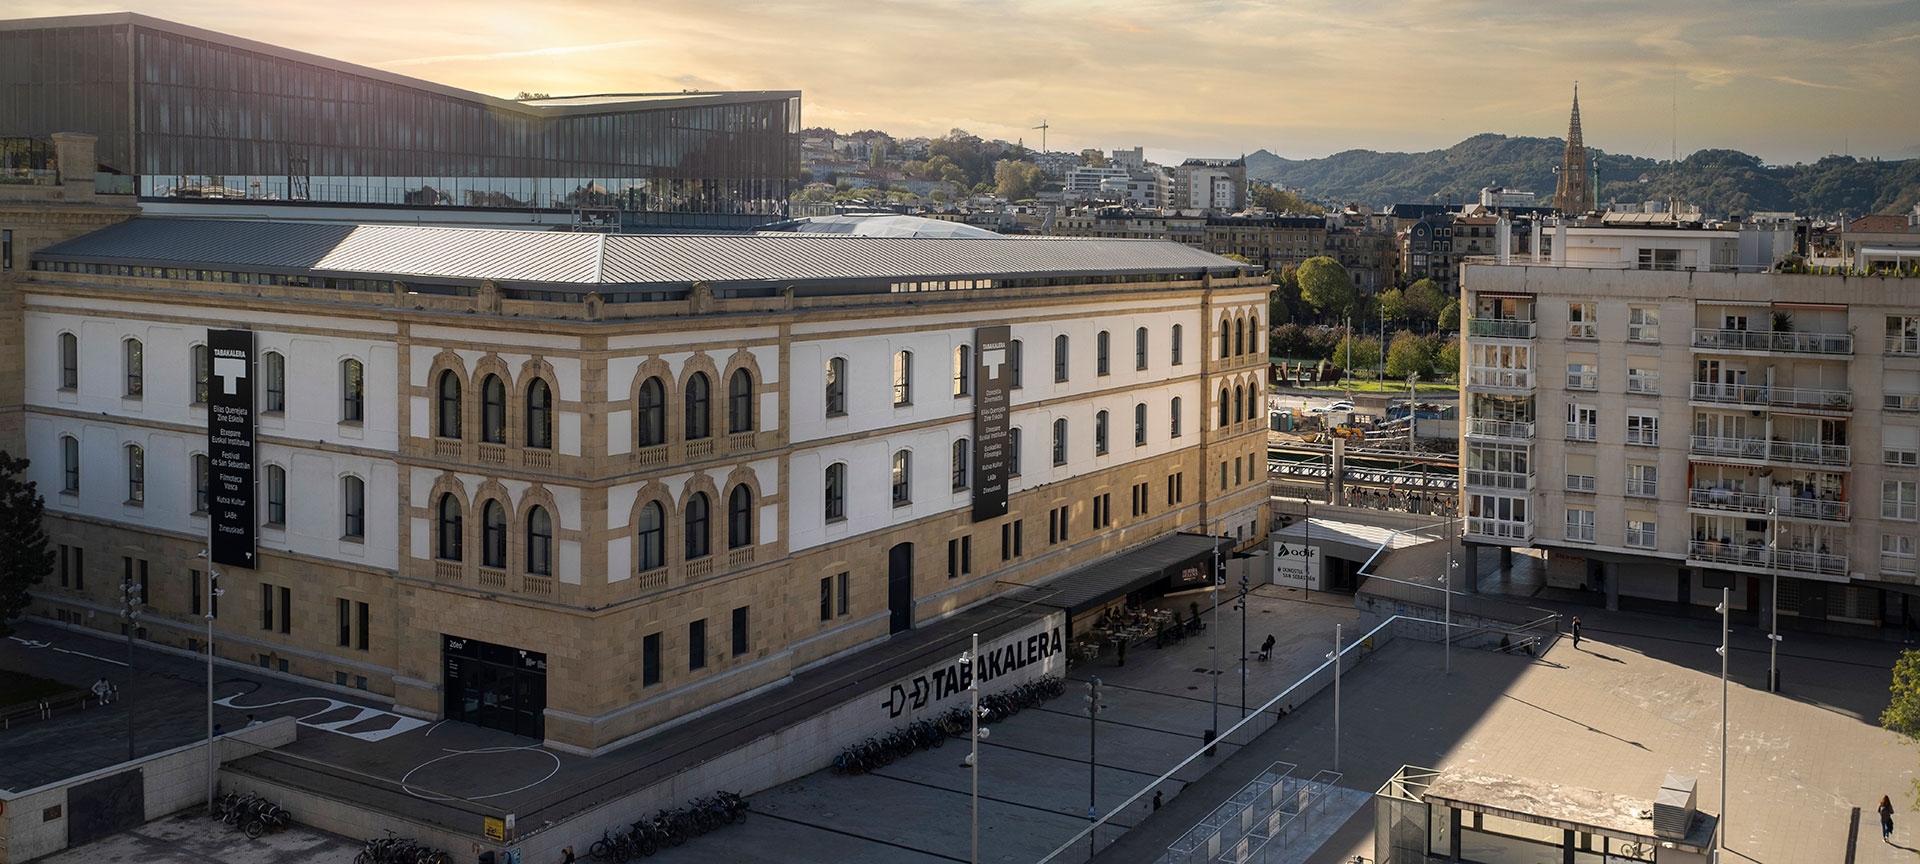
1574,195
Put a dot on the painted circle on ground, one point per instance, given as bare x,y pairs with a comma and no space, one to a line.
488,772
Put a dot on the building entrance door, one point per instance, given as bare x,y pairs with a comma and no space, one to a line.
900,587
495,686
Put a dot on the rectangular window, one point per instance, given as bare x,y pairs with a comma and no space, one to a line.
1015,375
286,610
963,371
1582,321
1900,445
1899,499
1583,423
266,606
1580,525
846,586
195,606
740,641
1643,430
650,660
697,645
1642,480
1896,554
1903,335
953,558
364,616
202,372
1642,377
1642,534
826,598
276,374
6,250
1006,541
1582,376
1643,323
346,621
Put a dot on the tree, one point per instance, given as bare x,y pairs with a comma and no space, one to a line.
1290,340
1366,353
1449,317
1393,305
806,176
1425,301
877,156
1446,361
1409,355
1016,181
1094,158
1902,716
25,558
1280,200
1326,287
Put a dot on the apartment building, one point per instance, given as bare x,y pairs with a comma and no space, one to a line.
578,485
1658,411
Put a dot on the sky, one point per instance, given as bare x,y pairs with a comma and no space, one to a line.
1786,80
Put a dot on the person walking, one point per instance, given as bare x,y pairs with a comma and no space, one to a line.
566,855
1156,800
1886,819
1576,631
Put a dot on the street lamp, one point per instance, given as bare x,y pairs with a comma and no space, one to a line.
1724,610
1242,606
130,603
213,596
973,758
1446,581
1094,707
1213,664
1335,657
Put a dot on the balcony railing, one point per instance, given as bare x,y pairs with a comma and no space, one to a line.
1479,428
1579,533
1809,453
1899,402
1513,379
1583,330
1728,448
1644,385
1768,340
1581,483
1811,508
1899,564
1731,500
1642,488
1642,538
1643,437
1500,528
1583,432
1499,480
1762,556
1811,562
1583,380
1765,396
1500,328
1902,345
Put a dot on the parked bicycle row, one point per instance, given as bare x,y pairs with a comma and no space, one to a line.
670,827
252,814
883,749
393,849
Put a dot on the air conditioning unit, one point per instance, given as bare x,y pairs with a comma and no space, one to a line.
1673,807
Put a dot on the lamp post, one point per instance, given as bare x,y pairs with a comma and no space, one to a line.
973,758
1219,579
130,602
1724,610
213,596
1243,643
1093,766
1335,657
1446,581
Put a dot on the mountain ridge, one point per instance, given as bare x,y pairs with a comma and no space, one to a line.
1721,182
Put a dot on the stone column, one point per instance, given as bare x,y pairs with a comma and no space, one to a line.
1610,573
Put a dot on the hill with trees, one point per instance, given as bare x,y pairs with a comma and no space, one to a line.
1720,182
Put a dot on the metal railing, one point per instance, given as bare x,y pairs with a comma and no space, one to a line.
1579,533
1765,396
1642,538
1774,341
1728,448
1583,432
1644,385
1581,483
1762,556
1642,488
1809,453
1504,529
1487,376
1643,437
1811,508
1583,380
1480,428
1903,345
1500,328
1731,500
1499,480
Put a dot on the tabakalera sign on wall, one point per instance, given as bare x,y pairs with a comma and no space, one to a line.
991,421
1037,644
230,456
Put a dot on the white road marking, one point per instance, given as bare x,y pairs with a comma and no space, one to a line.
434,796
401,723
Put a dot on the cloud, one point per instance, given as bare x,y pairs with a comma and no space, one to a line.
1784,79
507,55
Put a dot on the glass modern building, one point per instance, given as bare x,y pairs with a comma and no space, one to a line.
188,113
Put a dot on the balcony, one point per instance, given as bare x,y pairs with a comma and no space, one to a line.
1583,432
1903,345
1830,344
1811,508
1809,453
1896,564
541,586
491,578
1729,500
1510,429
1499,480
534,458
1759,556
1581,483
446,571
1763,396
1715,447
699,568
1500,529
1820,563
1508,379
1500,328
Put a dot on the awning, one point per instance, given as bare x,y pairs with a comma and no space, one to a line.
1094,584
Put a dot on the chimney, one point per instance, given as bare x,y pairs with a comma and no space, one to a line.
77,164
1673,807
1505,231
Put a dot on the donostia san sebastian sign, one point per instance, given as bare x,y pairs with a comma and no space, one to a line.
991,421
230,446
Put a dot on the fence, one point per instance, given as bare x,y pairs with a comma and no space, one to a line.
1275,806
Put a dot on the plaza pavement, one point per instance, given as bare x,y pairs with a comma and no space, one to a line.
192,839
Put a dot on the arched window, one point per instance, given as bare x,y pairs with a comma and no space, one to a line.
1174,348
276,495
493,535
963,370
1013,452
1060,441
652,534
69,464
903,378
451,527
837,387
353,507
962,455
698,542
1239,336
650,414
539,542
1224,408
539,415
1060,358
1253,334
1015,352
353,394
200,483
699,407
136,474
449,404
1140,349
740,517
1239,396
274,370
1102,353
1173,413
1100,433
493,410
740,401
135,355
1140,424
836,491
1226,339
69,361
902,478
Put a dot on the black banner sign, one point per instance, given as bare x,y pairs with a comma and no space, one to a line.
230,446
991,421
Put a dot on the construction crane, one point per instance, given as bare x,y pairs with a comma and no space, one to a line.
1043,134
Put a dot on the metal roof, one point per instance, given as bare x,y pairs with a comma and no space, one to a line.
570,258
1090,586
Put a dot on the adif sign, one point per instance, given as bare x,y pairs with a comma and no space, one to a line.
1296,565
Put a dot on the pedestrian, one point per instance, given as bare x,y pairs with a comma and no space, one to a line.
1156,800
566,855
100,691
1886,819
1576,631
251,721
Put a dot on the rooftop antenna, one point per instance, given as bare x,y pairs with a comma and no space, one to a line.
1043,134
